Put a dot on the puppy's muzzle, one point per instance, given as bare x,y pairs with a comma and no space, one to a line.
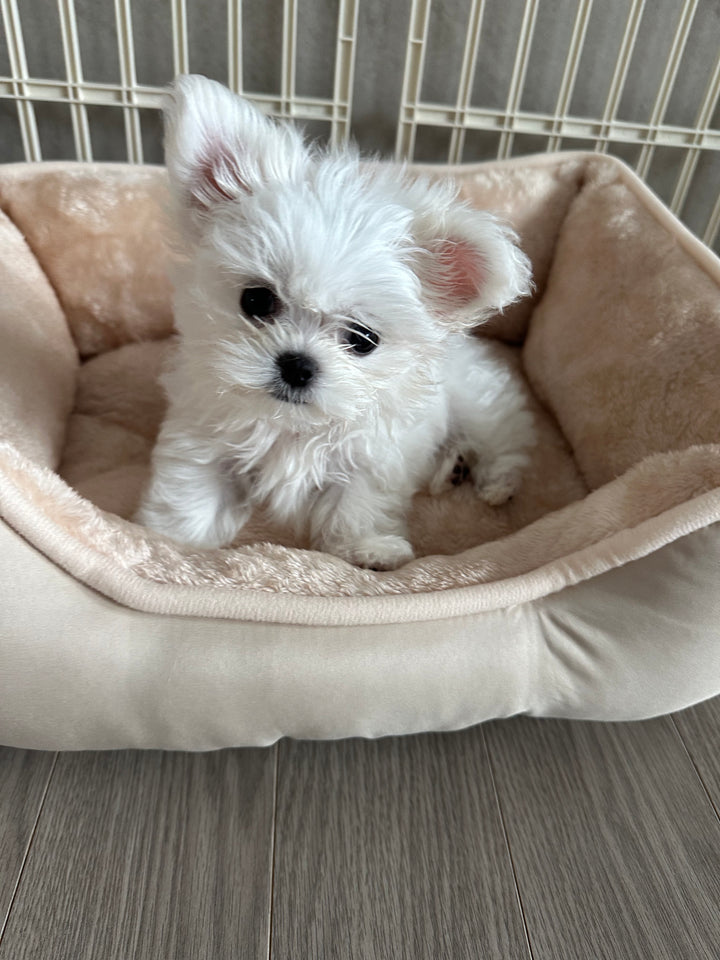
297,371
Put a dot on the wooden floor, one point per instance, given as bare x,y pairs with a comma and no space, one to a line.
519,839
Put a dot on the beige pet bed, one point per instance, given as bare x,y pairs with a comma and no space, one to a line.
594,593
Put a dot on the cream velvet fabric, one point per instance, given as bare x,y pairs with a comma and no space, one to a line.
591,594
80,672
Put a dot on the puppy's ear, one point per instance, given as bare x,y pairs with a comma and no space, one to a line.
219,148
468,261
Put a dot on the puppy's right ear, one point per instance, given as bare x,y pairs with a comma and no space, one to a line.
219,148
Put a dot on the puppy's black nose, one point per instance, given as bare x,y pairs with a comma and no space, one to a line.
296,369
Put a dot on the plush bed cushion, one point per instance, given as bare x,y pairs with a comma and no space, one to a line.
619,347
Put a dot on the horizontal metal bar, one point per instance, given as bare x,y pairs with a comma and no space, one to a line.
476,118
152,98
428,114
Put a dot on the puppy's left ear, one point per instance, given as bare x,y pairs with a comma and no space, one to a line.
468,261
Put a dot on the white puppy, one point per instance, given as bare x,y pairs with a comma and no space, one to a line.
323,368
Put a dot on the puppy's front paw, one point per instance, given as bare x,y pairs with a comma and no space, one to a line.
206,524
379,552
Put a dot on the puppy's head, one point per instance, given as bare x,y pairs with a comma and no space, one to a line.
316,285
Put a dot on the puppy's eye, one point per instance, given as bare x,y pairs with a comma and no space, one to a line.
359,339
259,303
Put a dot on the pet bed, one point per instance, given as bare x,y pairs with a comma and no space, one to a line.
593,594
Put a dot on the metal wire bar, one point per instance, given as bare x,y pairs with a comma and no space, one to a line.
572,62
622,65
412,79
18,81
181,60
288,58
128,80
699,137
438,115
73,68
345,48
467,77
235,58
713,225
667,83
517,80
145,97
619,131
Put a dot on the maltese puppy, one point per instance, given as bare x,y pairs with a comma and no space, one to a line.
325,369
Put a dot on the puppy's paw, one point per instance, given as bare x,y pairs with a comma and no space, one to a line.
452,470
380,552
496,486
202,524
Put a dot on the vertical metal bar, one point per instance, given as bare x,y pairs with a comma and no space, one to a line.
704,115
18,66
517,80
128,80
235,69
622,65
572,62
713,225
73,69
412,79
180,36
467,76
666,85
344,71
288,59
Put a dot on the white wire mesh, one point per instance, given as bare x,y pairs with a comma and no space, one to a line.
17,86
480,92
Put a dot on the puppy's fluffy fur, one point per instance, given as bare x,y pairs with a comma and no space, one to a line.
324,369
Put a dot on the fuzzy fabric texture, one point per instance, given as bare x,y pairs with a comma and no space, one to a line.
620,344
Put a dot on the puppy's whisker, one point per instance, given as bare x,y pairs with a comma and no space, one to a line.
293,324
360,333
356,331
289,322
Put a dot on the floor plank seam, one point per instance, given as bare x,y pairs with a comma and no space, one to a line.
508,847
28,848
695,767
273,842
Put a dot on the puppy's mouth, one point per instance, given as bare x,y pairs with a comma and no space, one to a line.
281,391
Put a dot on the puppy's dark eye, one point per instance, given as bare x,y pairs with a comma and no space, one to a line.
359,339
259,303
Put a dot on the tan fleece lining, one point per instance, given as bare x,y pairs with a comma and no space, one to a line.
620,345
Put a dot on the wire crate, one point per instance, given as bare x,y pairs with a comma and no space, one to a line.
429,80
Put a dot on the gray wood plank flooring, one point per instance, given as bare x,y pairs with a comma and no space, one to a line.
616,847
700,731
519,840
155,856
24,776
392,849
